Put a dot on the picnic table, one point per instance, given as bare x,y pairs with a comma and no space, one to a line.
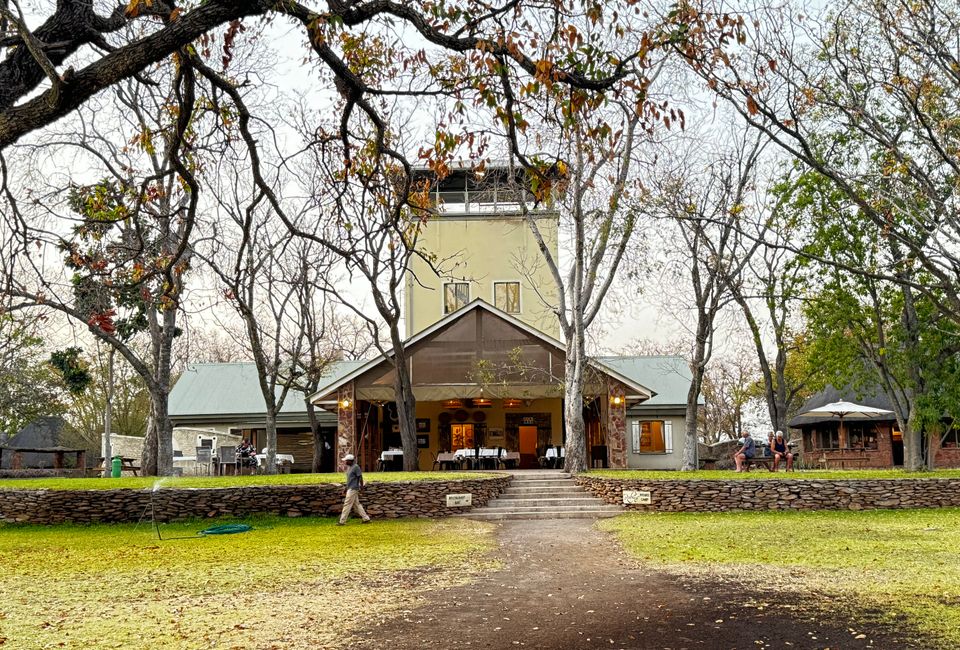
127,464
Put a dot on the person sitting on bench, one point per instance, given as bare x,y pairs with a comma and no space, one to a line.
781,451
747,450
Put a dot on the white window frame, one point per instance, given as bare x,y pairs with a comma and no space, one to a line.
666,426
443,297
493,294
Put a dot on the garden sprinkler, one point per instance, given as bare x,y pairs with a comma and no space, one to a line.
223,529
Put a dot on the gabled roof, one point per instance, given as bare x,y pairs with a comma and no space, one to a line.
232,390
867,396
670,374
639,389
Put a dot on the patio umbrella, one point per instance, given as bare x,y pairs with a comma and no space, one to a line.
845,409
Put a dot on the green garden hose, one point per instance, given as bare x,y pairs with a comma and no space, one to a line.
226,529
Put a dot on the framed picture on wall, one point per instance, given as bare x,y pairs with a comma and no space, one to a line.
423,441
423,425
495,437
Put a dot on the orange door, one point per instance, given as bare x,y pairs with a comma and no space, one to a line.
528,440
528,447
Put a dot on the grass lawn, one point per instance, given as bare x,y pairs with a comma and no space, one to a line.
762,474
901,563
138,483
291,583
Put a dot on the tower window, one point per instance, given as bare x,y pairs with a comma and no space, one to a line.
506,296
455,296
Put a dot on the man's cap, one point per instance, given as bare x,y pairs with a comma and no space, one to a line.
347,457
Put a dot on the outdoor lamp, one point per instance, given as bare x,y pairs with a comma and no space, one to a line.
617,400
345,403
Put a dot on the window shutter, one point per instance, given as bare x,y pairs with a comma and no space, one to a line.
668,435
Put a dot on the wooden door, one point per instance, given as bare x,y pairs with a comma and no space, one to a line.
528,447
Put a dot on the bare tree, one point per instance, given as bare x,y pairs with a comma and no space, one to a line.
707,205
345,37
126,250
769,291
267,278
858,93
328,336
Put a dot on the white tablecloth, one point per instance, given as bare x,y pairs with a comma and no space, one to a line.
485,452
391,454
552,452
281,458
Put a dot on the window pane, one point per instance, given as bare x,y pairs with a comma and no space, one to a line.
651,437
506,296
455,296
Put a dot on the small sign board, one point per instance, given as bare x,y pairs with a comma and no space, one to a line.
637,497
459,500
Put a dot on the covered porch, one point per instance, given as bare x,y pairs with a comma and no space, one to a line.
482,379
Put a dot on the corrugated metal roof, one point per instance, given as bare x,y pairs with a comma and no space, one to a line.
669,376
206,389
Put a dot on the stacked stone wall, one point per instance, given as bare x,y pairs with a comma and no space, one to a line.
381,500
739,495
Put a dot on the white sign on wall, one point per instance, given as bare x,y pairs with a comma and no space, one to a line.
459,500
637,497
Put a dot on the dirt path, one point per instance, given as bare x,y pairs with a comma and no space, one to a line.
607,601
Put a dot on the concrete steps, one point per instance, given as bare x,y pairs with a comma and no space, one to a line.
544,494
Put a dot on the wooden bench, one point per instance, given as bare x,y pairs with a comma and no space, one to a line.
767,461
756,461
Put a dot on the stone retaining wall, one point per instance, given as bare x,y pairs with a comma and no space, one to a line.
810,494
381,500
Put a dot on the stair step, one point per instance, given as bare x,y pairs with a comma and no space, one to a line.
556,482
586,507
541,494
547,501
547,514
535,475
545,489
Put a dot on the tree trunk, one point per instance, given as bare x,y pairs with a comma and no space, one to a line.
576,442
317,465
271,425
148,455
406,407
691,415
108,415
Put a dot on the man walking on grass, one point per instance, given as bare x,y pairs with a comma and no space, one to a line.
352,500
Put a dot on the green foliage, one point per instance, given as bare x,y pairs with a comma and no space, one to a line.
901,562
29,386
865,326
289,582
75,374
130,407
119,258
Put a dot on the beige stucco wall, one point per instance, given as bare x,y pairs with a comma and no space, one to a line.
672,460
482,250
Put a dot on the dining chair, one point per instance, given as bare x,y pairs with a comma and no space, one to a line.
226,456
204,460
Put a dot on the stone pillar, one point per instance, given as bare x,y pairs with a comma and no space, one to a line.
616,425
346,424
